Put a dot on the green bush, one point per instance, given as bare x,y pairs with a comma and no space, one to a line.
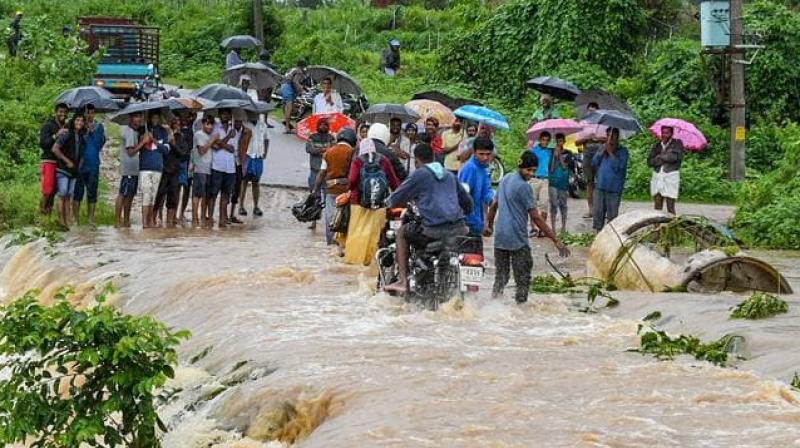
769,205
526,38
79,375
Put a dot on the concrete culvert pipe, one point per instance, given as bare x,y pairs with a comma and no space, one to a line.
625,252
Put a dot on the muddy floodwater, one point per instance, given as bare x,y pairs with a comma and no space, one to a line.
282,322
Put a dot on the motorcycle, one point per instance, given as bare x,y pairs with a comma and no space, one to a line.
146,90
496,170
576,180
436,272
354,106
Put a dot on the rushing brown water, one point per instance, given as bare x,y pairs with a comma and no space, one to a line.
323,353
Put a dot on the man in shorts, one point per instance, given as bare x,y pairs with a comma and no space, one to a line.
151,167
132,143
539,182
257,145
223,167
204,140
50,131
89,173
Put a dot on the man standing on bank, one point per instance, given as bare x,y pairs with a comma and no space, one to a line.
665,160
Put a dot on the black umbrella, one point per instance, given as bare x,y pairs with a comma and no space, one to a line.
614,119
342,82
79,97
559,88
241,109
383,113
261,76
450,102
240,41
219,92
123,116
603,99
229,104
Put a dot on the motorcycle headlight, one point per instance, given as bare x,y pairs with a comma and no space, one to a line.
390,235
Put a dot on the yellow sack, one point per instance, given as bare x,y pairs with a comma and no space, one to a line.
363,234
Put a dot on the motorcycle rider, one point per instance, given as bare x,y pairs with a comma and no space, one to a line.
442,203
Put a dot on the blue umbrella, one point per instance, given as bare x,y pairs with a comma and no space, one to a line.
482,115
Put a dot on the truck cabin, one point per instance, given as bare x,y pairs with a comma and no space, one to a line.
130,52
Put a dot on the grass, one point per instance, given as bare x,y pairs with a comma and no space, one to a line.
665,347
760,305
19,206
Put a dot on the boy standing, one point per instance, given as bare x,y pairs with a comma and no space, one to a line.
559,183
89,173
129,168
201,164
50,131
257,144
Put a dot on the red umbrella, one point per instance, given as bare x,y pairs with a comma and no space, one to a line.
336,120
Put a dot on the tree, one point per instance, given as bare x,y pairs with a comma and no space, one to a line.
81,376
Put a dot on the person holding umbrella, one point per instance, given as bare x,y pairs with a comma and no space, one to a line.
151,166
131,144
89,172
611,168
665,159
546,111
233,58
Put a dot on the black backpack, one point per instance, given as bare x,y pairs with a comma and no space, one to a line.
373,184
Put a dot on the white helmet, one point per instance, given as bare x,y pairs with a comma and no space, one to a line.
379,131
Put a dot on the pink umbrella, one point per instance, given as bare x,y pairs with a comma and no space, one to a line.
554,126
686,132
597,132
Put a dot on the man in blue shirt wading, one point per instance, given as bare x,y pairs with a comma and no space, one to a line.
89,173
611,166
475,175
513,204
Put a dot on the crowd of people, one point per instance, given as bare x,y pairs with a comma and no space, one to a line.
212,160
444,171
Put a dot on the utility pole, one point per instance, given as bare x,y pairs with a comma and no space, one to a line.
258,24
737,98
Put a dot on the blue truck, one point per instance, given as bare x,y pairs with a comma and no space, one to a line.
129,65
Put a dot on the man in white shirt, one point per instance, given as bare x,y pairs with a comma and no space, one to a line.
329,100
256,141
223,166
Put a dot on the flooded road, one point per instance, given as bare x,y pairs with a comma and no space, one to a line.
281,321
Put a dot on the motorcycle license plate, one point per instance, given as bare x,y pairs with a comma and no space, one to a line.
471,275
394,225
